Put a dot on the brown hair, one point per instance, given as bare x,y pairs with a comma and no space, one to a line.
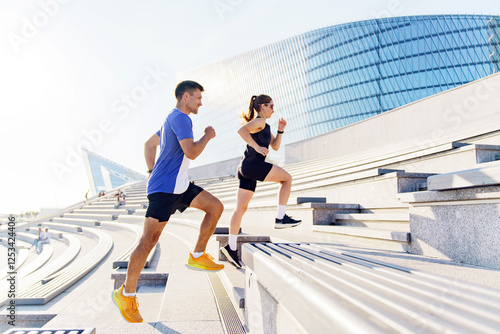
186,86
254,107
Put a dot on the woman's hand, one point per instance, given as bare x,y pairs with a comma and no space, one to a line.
262,150
281,124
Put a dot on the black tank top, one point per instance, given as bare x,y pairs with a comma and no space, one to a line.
262,138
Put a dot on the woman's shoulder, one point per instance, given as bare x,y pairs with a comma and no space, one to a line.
257,124
259,121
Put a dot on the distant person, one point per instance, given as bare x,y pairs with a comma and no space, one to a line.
169,189
123,195
44,239
120,197
253,167
35,242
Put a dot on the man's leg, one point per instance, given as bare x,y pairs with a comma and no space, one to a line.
213,208
124,297
150,235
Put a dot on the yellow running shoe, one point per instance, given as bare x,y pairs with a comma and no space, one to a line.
204,262
129,306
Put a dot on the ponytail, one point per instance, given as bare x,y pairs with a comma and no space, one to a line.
254,107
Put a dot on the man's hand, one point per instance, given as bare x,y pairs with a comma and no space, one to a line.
210,132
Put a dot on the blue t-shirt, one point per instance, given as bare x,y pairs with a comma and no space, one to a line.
170,171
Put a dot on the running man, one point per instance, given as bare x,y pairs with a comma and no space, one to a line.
169,189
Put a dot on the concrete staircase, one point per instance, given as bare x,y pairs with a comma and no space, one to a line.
361,191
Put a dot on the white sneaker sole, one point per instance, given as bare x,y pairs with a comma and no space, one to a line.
229,258
280,226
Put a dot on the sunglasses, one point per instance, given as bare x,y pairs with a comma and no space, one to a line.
269,104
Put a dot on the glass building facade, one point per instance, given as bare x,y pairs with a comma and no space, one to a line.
105,174
335,76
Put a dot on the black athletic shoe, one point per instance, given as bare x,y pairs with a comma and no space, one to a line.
286,222
231,256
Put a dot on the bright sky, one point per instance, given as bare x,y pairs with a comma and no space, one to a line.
101,74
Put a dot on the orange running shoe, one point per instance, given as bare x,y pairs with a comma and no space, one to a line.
204,262
129,306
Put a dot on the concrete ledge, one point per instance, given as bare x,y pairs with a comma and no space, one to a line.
145,279
399,236
223,240
77,221
486,176
399,217
64,227
311,288
113,212
130,219
301,200
462,225
95,216
223,230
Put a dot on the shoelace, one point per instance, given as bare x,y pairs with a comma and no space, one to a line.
135,304
209,256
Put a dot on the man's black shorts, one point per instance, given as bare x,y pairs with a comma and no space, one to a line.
162,205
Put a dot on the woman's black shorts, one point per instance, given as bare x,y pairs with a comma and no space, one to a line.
250,173
162,205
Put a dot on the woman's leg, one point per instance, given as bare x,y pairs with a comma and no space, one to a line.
243,197
278,174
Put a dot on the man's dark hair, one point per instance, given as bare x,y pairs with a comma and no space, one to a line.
186,86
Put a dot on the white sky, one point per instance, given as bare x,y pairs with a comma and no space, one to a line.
67,67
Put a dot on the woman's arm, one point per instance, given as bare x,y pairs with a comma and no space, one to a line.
276,141
252,127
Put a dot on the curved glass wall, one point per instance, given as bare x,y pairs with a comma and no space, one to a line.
335,76
105,174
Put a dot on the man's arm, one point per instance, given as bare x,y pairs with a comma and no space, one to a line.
193,149
150,150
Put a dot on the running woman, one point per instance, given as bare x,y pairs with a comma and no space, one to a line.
253,167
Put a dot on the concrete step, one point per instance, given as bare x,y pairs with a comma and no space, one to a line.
264,216
368,237
373,220
308,182
113,212
234,283
113,206
54,234
395,208
63,227
77,221
484,176
140,212
132,201
375,190
94,216
130,218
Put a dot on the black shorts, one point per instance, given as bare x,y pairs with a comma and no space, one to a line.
250,173
162,205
